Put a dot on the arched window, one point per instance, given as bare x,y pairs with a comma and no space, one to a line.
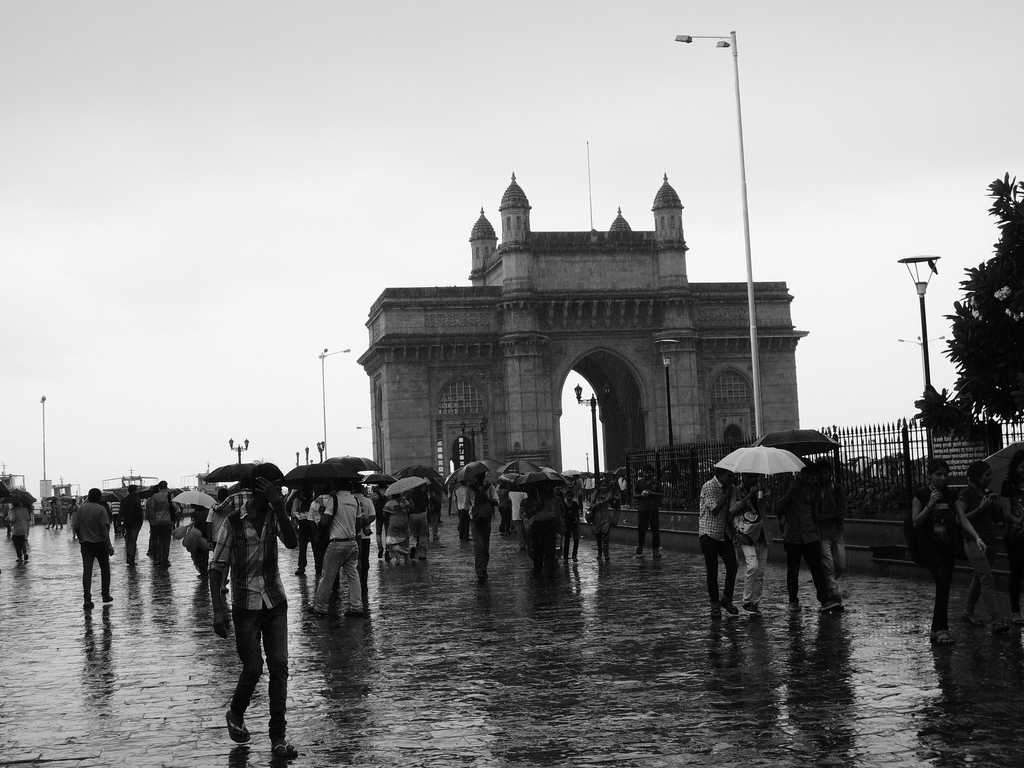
460,398
730,389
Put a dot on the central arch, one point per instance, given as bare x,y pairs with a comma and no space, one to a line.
620,396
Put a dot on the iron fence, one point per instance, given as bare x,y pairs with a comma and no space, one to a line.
878,465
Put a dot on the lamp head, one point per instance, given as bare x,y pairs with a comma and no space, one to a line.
231,443
247,443
722,44
684,39
578,389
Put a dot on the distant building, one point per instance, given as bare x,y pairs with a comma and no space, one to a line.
479,370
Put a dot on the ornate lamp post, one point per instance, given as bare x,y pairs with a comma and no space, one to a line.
667,361
321,446
592,402
323,386
239,447
914,264
730,42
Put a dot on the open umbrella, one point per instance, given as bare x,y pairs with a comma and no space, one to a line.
195,499
519,466
467,473
325,472
419,470
356,463
245,473
379,478
19,497
799,441
1000,464
760,460
405,484
536,478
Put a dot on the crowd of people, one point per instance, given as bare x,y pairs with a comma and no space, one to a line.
234,542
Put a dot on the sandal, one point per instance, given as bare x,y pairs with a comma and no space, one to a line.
236,727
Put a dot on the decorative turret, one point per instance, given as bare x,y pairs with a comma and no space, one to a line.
482,241
620,224
515,214
668,214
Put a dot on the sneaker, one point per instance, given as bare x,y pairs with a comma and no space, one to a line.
108,600
752,609
236,727
731,609
281,748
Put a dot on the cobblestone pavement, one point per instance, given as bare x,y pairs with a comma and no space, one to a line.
608,665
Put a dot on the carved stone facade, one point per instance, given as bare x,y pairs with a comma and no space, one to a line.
487,363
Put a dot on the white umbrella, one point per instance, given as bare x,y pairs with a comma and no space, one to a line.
405,484
196,498
760,460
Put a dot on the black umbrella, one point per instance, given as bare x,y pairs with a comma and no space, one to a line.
799,441
245,473
519,466
379,478
420,470
358,463
313,474
467,473
537,478
19,497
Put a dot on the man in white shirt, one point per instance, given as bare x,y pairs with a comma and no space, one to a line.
462,505
343,514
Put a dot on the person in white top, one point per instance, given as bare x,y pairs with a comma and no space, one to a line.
342,515
515,498
462,502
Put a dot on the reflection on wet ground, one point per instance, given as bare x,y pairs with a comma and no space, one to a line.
604,665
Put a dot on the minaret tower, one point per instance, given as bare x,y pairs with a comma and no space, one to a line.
482,242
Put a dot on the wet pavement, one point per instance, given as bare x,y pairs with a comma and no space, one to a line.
609,665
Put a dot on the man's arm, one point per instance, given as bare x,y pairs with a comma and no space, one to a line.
219,564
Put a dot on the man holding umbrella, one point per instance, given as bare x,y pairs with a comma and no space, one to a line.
247,544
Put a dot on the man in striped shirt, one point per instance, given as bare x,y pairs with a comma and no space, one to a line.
247,544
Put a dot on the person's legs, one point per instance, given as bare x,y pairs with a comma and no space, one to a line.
710,552
642,521
463,524
378,529
755,557
793,572
941,567
302,536
333,557
482,545
19,546
319,542
364,572
537,546
131,544
352,590
1015,553
103,557
727,552
828,565
574,531
274,631
655,525
982,585
88,555
811,552
248,626
549,544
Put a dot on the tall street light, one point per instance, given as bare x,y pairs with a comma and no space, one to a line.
592,402
914,266
730,42
323,385
667,361
42,402
238,447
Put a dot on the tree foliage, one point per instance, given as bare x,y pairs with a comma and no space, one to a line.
987,344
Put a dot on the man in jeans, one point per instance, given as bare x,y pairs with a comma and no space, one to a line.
131,516
648,499
712,531
247,544
342,515
798,518
162,519
92,526
831,516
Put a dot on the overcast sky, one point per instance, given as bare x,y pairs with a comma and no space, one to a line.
196,198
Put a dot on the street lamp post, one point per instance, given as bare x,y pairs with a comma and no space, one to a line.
42,402
730,42
321,446
914,264
592,402
323,385
667,361
239,447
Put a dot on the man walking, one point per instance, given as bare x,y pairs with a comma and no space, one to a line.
131,516
648,499
162,519
305,529
92,526
462,503
247,544
712,531
801,537
342,516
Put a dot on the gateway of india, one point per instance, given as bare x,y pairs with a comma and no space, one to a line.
477,372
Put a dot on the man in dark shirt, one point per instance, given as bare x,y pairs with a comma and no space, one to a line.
247,545
648,501
131,517
92,526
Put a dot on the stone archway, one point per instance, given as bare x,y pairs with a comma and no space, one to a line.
620,402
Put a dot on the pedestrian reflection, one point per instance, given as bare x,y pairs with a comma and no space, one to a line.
829,665
161,598
238,757
98,677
